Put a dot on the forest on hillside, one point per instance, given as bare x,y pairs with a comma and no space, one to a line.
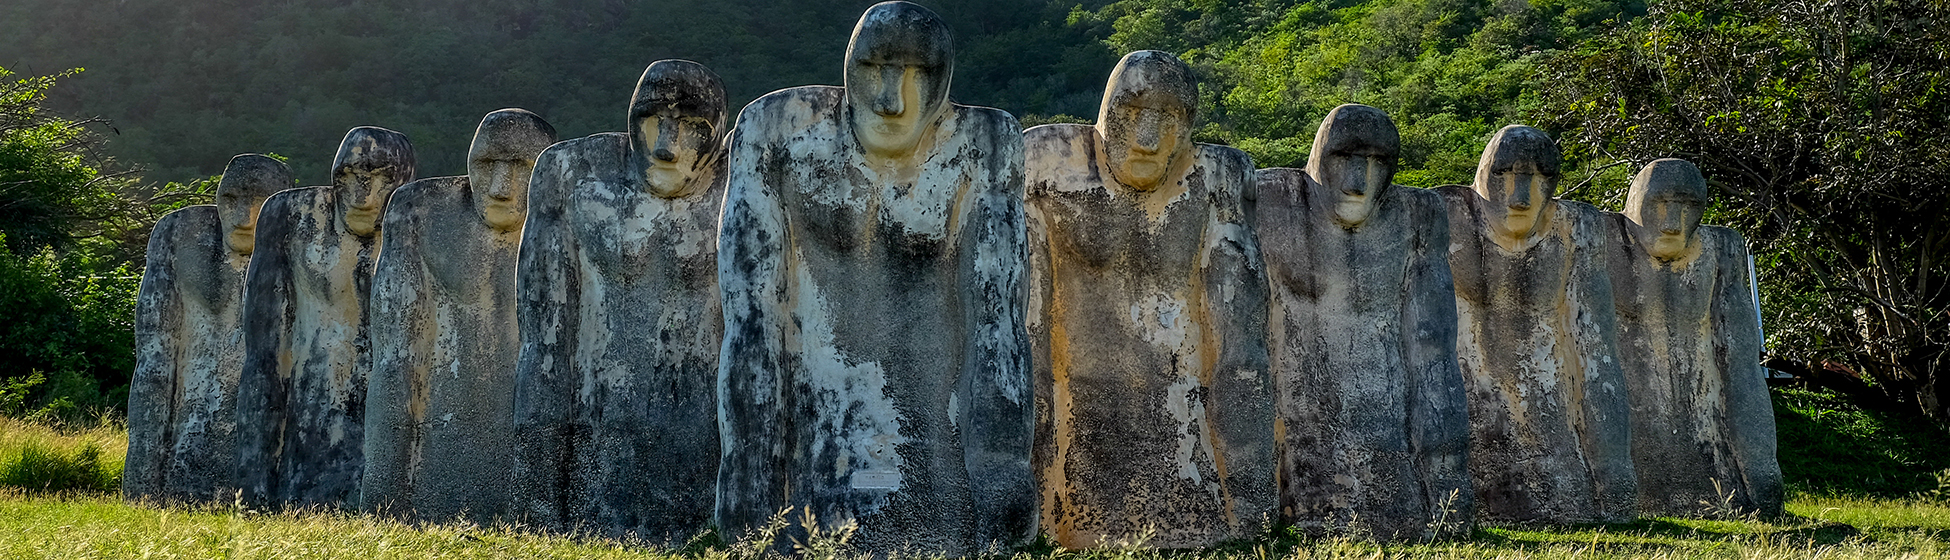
1823,125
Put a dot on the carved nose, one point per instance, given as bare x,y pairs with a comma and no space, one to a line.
1356,182
664,155
1520,193
888,102
1150,131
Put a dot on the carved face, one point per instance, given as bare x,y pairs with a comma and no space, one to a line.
1664,205
674,146
247,181
1354,158
1518,177
371,163
1146,118
500,162
675,118
897,75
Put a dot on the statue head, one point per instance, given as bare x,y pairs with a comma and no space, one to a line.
898,66
247,181
1664,205
1354,157
676,124
1146,117
1518,177
500,162
372,161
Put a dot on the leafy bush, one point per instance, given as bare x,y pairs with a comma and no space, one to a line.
70,318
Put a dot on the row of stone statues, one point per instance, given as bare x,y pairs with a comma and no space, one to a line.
874,305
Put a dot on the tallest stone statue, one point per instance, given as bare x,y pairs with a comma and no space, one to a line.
875,366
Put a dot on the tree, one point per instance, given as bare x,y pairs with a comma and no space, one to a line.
51,188
68,275
1825,127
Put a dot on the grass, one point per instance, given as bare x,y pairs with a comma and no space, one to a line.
61,456
82,525
1862,488
1828,446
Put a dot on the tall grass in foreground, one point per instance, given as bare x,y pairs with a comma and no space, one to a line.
52,457
92,525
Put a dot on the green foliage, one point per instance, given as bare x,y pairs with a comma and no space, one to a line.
1449,72
70,317
1831,446
51,191
1825,127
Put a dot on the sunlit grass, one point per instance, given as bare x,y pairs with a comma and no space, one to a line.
37,520
56,457
95,525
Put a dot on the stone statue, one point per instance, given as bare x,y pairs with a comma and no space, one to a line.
1148,322
1538,342
301,400
615,394
876,367
440,402
189,340
1371,406
1689,337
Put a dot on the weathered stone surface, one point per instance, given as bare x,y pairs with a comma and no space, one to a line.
616,391
1538,342
1689,337
440,401
301,400
1147,318
875,367
1372,416
189,340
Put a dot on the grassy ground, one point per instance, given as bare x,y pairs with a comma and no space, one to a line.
62,455
57,501
83,525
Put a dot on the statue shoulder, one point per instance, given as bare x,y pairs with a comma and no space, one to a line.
185,227
186,219
1455,194
424,192
295,200
1420,202
1727,242
1226,158
1280,176
594,147
1058,157
783,113
1587,225
1060,136
993,120
1723,235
